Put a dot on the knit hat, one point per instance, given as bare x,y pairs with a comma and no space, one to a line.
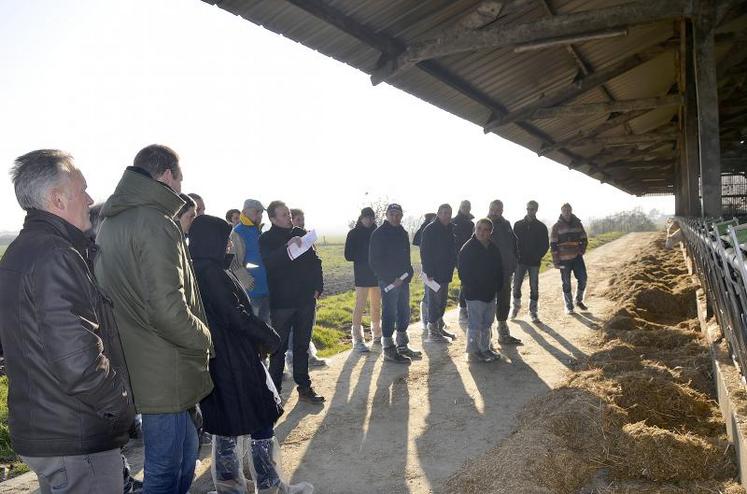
368,212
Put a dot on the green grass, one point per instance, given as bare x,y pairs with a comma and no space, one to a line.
335,312
2,250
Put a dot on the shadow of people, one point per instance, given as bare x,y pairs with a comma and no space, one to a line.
565,352
587,320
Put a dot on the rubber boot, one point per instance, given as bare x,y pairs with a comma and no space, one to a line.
404,349
359,344
267,471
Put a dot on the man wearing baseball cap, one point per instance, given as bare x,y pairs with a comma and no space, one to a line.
245,238
389,257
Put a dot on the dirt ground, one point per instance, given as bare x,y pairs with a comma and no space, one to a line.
397,429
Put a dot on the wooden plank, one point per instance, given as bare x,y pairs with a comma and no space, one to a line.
607,107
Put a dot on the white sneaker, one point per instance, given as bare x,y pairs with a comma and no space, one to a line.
361,347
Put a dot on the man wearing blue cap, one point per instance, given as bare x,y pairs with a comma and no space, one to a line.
389,257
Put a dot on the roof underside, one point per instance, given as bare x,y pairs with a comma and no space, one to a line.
535,96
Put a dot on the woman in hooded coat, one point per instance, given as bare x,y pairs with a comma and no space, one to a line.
243,401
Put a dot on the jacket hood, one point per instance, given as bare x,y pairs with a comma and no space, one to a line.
208,238
139,190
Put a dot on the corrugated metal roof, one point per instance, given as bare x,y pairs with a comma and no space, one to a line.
478,85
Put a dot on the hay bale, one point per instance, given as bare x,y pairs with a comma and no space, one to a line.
615,356
660,455
663,338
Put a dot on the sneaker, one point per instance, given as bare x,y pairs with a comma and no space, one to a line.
477,357
392,355
434,337
490,356
510,340
410,353
492,351
309,395
376,344
569,310
514,312
361,347
535,318
447,334
317,362
581,306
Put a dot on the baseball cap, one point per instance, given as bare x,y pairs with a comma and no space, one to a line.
394,207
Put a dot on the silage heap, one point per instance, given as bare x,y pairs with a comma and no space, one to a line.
637,417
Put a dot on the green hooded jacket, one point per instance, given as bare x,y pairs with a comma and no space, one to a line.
144,266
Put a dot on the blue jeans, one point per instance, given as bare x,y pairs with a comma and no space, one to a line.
521,271
578,268
395,309
171,446
436,302
480,321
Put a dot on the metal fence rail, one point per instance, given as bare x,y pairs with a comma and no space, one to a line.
719,252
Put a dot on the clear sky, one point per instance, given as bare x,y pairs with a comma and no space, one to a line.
252,114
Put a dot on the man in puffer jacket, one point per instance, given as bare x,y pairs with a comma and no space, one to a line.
144,266
568,243
69,402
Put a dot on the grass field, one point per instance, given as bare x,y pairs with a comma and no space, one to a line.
335,309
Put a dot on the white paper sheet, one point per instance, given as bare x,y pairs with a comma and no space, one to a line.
306,242
432,284
403,277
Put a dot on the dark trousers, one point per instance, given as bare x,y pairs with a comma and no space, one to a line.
503,301
577,266
301,321
436,302
462,300
395,309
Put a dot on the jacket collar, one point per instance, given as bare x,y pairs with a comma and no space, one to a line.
246,221
38,219
136,188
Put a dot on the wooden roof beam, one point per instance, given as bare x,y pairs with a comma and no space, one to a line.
634,139
580,23
606,107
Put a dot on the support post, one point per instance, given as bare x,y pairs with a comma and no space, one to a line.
691,147
706,84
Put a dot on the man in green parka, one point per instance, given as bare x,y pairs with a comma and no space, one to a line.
144,266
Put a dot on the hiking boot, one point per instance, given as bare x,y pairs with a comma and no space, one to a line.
535,317
309,395
442,329
477,357
581,306
361,347
510,340
317,362
409,352
392,355
492,351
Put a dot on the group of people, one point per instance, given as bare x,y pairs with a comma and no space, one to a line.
148,305
492,259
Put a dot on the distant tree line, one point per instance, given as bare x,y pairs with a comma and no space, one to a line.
625,221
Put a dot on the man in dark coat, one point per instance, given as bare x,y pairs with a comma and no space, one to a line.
366,284
481,272
417,240
69,400
533,241
295,285
463,229
504,238
438,255
389,256
242,403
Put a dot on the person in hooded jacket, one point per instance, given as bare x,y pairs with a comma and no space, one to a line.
366,283
463,229
244,401
568,243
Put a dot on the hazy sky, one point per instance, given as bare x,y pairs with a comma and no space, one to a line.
251,114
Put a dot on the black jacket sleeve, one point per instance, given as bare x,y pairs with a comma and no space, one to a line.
377,257
274,253
68,325
466,266
350,246
544,242
428,246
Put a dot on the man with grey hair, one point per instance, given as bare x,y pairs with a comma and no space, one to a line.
70,407
145,268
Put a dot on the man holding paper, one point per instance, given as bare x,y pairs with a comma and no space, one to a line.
294,276
389,257
438,253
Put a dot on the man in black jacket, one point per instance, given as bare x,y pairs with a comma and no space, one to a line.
463,229
417,239
295,285
481,272
389,257
438,254
533,243
69,401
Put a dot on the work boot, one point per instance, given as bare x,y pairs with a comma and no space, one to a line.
477,358
392,355
434,334
359,343
490,356
515,309
267,471
442,328
309,395
510,340
403,349
463,320
582,306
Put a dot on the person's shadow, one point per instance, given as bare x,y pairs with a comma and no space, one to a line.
564,351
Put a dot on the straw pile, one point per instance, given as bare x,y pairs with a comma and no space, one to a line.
639,413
